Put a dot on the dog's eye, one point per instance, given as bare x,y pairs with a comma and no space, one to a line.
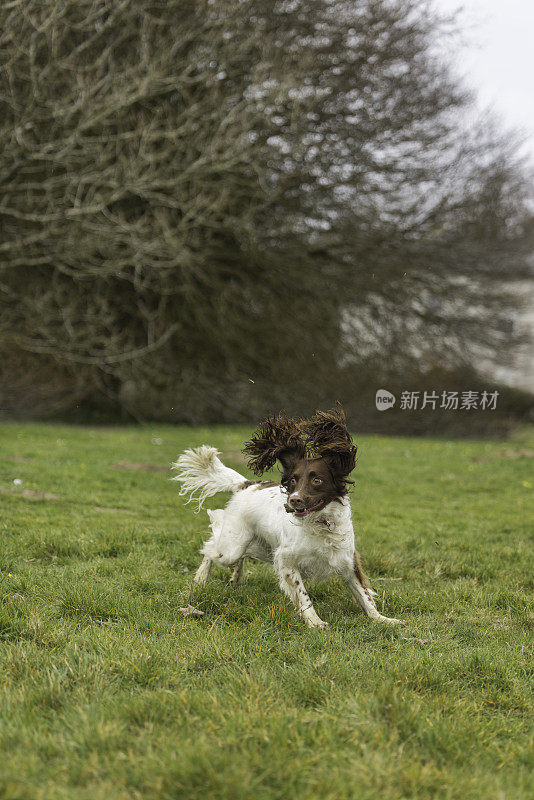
317,481
292,482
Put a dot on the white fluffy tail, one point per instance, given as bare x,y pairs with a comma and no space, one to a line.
202,474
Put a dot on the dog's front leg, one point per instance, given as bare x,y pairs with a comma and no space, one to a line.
291,583
352,575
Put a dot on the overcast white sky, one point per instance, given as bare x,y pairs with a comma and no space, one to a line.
498,59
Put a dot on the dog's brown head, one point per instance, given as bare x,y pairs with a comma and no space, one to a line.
316,456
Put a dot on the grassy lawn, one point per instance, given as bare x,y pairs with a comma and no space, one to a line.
108,692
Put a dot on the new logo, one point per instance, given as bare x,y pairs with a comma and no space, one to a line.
384,400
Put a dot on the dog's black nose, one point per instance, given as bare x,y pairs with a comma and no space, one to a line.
297,503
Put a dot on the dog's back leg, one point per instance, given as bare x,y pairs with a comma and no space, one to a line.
223,552
236,575
226,546
203,572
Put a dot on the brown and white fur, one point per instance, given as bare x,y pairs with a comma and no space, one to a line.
303,525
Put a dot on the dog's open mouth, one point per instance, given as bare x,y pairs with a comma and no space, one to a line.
305,511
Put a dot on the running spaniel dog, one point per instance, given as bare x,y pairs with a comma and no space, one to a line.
302,525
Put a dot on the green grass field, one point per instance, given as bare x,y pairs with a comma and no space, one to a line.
108,692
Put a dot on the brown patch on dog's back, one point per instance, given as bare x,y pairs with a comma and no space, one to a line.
259,484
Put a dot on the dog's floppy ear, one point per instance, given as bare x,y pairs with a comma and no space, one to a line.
277,438
330,439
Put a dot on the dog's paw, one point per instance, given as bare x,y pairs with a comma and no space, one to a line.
318,623
392,621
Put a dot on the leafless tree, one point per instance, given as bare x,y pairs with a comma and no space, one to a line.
211,208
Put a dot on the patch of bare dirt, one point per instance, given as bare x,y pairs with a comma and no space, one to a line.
35,494
506,454
30,494
110,510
